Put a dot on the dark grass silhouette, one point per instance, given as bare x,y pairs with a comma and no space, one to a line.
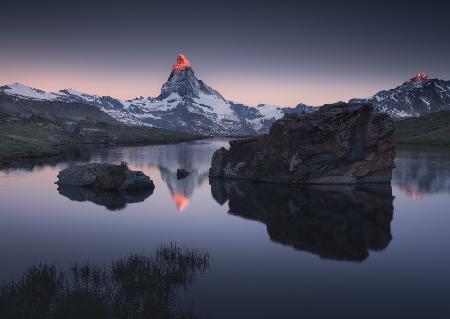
134,287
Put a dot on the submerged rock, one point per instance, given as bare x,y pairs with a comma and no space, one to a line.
182,173
104,176
339,144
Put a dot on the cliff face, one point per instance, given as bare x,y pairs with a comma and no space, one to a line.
340,143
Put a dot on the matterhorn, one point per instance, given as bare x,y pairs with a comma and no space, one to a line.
190,105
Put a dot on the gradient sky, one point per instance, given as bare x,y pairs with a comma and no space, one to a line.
277,52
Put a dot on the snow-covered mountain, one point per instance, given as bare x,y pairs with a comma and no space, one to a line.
184,104
418,96
190,105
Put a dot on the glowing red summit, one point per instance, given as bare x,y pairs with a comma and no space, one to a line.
182,64
419,77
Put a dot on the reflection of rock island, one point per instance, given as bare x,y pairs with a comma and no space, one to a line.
336,222
112,200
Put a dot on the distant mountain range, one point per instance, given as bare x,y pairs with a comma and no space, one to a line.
184,104
188,104
418,96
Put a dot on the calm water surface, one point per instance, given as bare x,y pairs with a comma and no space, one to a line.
276,252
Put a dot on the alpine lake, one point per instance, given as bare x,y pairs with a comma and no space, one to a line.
273,251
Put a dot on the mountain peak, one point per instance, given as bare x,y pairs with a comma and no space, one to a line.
183,82
418,78
23,91
182,64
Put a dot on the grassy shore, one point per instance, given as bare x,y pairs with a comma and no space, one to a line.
432,129
37,137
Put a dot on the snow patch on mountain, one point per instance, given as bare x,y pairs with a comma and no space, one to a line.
22,91
270,111
151,104
215,105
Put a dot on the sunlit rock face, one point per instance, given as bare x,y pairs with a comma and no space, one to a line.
182,64
341,222
418,78
339,144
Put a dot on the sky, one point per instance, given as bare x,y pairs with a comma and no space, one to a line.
275,52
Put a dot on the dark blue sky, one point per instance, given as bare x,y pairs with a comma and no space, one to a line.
279,52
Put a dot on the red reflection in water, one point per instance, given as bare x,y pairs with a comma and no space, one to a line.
181,201
414,194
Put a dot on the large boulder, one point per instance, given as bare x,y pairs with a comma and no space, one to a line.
339,144
104,176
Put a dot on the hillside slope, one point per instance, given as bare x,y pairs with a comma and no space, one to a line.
431,129
40,137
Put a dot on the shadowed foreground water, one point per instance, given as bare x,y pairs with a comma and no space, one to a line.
275,251
135,287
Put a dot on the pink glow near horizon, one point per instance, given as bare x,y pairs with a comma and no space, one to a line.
250,90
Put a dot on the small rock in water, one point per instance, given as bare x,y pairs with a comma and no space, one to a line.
182,173
104,176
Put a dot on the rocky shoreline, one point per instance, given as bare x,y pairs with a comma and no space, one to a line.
35,137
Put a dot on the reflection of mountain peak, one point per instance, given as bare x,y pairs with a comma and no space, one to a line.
194,157
182,189
181,201
421,171
342,222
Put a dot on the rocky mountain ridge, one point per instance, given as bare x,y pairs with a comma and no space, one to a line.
188,104
417,96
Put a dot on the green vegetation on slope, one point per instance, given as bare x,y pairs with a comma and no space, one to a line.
38,137
432,129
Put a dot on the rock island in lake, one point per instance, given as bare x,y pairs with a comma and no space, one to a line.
104,176
339,144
